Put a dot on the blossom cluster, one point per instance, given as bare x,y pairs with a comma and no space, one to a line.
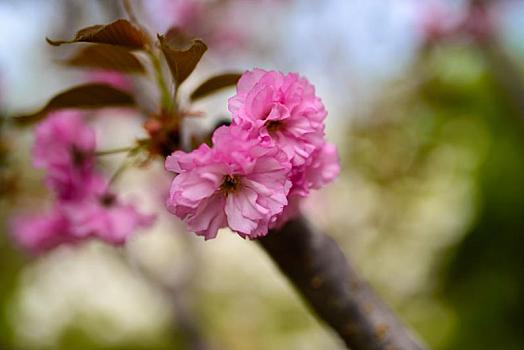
441,20
258,169
84,208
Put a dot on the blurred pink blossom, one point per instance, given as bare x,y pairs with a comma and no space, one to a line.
113,78
440,20
479,22
237,183
218,23
64,147
63,139
104,216
436,20
41,232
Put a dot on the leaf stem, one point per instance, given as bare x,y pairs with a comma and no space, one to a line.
165,97
166,101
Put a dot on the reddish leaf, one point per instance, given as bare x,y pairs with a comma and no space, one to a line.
89,96
181,52
215,83
107,57
120,33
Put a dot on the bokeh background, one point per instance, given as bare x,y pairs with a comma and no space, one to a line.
426,106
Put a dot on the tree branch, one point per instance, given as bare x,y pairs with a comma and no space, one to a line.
319,271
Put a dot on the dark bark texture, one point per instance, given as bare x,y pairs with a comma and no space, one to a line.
317,268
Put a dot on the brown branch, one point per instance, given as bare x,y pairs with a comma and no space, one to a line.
319,271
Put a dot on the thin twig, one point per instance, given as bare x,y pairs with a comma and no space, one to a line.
118,172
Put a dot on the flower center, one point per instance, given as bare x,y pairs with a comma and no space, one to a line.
78,156
107,199
230,184
273,125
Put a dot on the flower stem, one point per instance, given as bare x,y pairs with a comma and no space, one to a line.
114,151
118,172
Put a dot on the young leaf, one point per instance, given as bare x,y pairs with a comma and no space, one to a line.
182,53
215,83
107,57
120,33
89,96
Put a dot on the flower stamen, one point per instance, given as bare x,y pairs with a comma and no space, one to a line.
107,199
79,156
230,184
273,125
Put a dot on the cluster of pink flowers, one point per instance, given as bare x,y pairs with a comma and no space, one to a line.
259,168
65,149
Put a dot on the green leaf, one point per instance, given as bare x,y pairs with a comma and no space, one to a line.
120,33
182,53
89,96
215,83
107,57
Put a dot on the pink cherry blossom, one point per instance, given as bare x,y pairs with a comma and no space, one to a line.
237,183
321,168
98,215
105,217
285,110
324,168
63,138
113,78
291,211
64,147
41,232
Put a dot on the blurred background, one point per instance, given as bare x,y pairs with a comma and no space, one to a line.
426,106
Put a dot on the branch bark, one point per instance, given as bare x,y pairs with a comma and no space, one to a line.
319,271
